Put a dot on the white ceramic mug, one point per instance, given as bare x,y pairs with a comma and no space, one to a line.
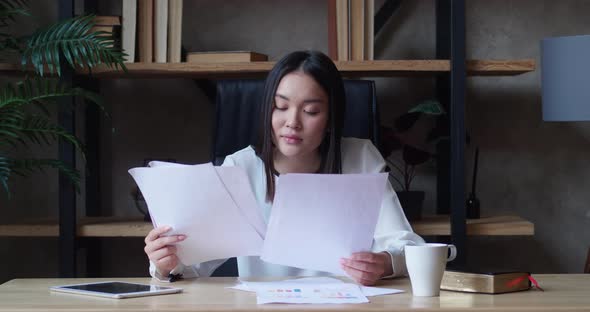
426,264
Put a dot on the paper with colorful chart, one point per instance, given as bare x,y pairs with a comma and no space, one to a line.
311,293
367,291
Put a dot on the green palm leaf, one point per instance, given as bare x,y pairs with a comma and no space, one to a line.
72,39
40,91
4,173
11,8
42,130
26,167
10,125
18,126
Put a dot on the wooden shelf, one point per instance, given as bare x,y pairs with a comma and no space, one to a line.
380,68
494,226
121,227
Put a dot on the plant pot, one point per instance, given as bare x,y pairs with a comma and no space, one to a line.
411,202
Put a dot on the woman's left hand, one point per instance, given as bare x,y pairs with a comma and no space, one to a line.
367,267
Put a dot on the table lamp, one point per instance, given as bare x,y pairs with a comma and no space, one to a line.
565,78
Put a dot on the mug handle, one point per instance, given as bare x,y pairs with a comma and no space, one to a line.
453,254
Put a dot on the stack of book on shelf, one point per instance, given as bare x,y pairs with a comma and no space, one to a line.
157,25
350,29
485,281
225,57
110,25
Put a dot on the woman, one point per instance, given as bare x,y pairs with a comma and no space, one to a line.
302,117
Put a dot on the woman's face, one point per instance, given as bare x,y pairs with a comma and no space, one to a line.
300,115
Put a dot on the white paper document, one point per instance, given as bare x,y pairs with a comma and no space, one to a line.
366,290
194,201
237,184
317,219
309,293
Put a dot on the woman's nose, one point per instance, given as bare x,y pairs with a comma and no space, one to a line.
293,121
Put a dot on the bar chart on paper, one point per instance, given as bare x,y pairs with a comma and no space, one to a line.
318,293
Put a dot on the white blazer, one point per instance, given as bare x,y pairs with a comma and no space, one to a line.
392,233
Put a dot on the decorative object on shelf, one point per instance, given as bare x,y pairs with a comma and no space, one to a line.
403,169
225,57
25,118
472,205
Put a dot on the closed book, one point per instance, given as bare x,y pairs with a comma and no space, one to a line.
174,31
107,20
225,57
357,30
342,27
160,30
107,31
129,20
487,282
145,30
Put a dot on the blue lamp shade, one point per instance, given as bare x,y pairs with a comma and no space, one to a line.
565,78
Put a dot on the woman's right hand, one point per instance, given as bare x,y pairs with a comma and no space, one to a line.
160,249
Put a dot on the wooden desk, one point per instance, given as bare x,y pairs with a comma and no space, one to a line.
568,292
126,227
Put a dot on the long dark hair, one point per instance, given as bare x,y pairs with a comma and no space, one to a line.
324,72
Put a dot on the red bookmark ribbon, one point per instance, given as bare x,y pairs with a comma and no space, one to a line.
518,280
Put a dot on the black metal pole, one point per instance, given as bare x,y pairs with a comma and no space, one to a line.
457,129
67,154
443,94
93,169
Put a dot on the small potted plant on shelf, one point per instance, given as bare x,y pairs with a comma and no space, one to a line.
403,153
26,105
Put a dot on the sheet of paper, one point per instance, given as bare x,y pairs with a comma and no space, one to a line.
379,291
309,293
237,184
194,201
317,219
366,290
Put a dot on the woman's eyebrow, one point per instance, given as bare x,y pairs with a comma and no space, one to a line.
307,101
282,96
310,101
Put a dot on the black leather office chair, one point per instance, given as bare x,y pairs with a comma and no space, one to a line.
238,118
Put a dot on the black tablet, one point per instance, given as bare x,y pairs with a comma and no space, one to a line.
117,290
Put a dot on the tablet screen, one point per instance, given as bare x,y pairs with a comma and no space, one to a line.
115,287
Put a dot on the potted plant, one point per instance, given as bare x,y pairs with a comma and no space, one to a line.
25,105
403,152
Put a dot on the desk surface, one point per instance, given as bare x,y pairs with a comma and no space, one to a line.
133,227
567,292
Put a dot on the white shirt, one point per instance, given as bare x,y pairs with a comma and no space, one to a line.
392,232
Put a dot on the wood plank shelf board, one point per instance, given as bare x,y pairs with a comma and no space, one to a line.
497,226
133,227
40,229
379,68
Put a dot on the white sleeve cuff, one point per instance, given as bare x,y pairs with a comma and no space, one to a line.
179,269
398,264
